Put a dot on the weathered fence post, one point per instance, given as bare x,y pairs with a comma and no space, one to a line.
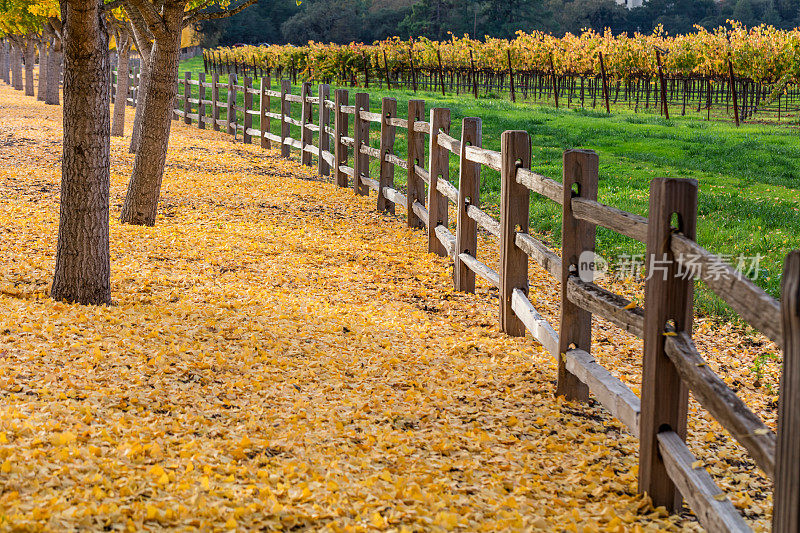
388,134
668,298
134,86
232,124
201,107
114,78
515,149
306,118
324,94
439,168
264,108
341,128
187,94
361,138
469,187
786,512
580,176
416,157
248,105
286,110
215,101
177,97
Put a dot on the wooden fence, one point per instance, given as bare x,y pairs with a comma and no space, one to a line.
672,365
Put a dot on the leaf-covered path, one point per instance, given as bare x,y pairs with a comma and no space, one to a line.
279,356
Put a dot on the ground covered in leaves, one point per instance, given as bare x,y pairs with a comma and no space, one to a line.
279,355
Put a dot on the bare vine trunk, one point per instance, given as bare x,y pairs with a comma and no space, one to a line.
83,264
141,201
42,90
30,61
123,84
16,66
54,60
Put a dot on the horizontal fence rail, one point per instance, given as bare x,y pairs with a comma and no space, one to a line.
672,365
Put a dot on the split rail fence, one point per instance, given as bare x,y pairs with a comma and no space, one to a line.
672,365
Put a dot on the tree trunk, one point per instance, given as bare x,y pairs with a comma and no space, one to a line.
54,59
30,62
143,39
141,100
42,90
123,83
83,261
4,63
141,201
16,66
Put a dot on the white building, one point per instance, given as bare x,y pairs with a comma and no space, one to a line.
630,4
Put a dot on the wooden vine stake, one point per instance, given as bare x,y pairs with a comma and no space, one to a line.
605,83
786,512
515,149
286,110
388,134
416,158
664,105
324,94
386,68
469,186
441,70
733,92
668,303
555,80
511,76
361,138
580,177
341,128
411,62
439,169
474,75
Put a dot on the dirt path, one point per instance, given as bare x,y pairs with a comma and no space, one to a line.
279,355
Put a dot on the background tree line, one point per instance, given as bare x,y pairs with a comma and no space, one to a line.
344,21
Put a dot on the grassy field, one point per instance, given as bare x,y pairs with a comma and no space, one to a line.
749,176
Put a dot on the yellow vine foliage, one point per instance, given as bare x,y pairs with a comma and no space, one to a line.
763,54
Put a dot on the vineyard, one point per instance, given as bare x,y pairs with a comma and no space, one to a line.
745,71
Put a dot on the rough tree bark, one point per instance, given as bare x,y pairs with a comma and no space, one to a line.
83,263
123,39
30,62
144,44
4,63
141,201
16,65
42,89
54,61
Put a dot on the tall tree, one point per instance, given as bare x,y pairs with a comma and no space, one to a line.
122,38
164,20
83,261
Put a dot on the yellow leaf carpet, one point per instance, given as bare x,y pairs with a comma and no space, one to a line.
280,356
